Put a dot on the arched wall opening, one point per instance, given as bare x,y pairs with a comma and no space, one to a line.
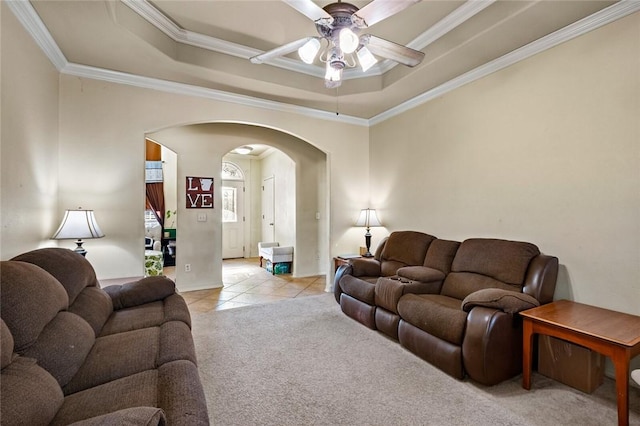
200,150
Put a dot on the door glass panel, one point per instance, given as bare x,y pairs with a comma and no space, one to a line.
229,204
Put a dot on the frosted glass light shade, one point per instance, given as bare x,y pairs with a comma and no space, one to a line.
309,50
366,58
348,40
332,74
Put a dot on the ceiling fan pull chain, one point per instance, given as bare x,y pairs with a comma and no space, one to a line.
337,101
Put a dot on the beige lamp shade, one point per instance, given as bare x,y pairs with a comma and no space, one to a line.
368,218
76,225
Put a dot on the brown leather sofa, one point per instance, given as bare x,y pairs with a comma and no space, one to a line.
73,352
458,309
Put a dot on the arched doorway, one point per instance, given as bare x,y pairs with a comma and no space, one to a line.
300,167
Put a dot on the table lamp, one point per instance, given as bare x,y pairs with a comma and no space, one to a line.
368,218
76,225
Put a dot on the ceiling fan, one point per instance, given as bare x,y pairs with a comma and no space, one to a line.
338,25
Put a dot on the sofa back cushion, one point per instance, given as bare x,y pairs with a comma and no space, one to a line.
63,346
404,248
72,270
95,306
488,263
440,255
29,299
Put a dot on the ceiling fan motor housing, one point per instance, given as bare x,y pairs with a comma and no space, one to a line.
341,14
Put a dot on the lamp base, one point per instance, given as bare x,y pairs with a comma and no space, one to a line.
367,240
79,249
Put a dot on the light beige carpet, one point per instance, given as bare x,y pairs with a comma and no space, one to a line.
303,362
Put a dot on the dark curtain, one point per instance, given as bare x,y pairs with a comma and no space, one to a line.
155,200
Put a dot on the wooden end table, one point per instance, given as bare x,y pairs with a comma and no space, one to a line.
611,333
337,261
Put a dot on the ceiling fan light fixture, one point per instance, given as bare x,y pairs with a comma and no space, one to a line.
333,74
309,50
366,58
348,40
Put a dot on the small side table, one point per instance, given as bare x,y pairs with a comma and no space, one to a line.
611,333
338,261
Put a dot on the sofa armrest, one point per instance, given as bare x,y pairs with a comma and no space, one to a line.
365,267
421,273
340,272
390,290
507,301
146,290
492,345
147,416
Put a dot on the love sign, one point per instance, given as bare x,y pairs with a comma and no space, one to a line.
199,192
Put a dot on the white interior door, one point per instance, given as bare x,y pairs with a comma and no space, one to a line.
268,209
232,219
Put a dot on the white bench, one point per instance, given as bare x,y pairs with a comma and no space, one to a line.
275,254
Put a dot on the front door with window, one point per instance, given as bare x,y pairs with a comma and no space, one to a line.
232,219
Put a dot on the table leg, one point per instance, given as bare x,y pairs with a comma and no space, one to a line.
620,359
527,350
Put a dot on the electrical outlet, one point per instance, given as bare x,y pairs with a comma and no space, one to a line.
187,267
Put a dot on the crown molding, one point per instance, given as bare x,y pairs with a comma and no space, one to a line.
27,16
202,92
605,16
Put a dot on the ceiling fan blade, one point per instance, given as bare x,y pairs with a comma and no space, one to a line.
310,10
279,51
378,10
390,50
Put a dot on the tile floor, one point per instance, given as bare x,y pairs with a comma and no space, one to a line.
246,283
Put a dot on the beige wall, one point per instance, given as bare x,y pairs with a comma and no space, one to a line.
546,151
109,121
28,143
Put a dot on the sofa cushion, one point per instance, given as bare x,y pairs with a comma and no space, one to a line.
407,247
28,394
174,387
94,306
421,273
136,390
507,301
438,315
30,299
118,355
70,268
135,416
461,284
362,290
62,346
506,261
440,255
